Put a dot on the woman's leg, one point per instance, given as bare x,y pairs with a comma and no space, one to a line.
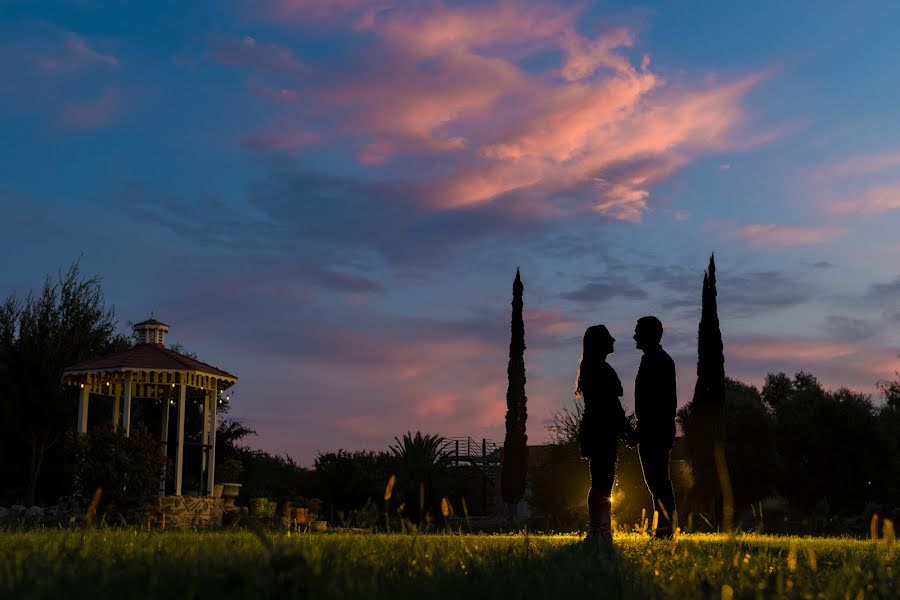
603,476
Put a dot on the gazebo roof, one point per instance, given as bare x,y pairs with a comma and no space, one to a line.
151,321
153,357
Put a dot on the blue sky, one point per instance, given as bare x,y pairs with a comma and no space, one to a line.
330,199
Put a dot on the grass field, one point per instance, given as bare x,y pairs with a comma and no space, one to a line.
98,564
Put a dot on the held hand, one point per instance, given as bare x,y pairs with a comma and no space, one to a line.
631,438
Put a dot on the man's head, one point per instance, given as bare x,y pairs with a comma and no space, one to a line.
648,333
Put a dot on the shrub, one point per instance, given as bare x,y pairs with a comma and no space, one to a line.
126,469
229,471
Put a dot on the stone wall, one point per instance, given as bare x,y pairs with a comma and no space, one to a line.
188,512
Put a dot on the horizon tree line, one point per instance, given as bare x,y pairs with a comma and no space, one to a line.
68,321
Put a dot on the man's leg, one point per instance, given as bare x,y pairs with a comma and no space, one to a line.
655,465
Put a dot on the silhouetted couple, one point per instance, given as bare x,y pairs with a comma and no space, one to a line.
604,421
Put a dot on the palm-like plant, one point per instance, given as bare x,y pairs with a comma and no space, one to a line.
419,453
420,464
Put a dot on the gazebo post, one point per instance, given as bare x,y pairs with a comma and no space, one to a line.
83,398
179,453
164,438
204,439
117,406
211,466
127,413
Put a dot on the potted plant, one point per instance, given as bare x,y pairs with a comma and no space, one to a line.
228,474
307,511
259,506
299,511
313,505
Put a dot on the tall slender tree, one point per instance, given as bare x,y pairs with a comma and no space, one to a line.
515,448
709,393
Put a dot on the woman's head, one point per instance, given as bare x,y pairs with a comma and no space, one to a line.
596,346
597,343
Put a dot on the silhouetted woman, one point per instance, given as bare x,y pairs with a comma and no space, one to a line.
604,421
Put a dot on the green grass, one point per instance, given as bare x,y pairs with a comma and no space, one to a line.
75,564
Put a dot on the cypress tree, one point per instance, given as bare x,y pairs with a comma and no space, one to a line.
709,393
515,449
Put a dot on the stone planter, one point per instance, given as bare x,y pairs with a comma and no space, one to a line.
185,512
217,490
230,492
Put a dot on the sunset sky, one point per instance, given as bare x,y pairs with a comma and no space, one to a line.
330,198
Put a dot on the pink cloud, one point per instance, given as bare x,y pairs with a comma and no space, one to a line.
551,322
315,9
370,385
450,80
285,95
437,403
867,184
857,365
94,113
448,386
266,57
874,200
790,349
71,53
771,234
857,166
280,140
78,48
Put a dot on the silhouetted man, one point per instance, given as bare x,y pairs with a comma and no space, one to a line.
654,407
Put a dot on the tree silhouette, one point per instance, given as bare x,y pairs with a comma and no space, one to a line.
709,393
66,322
515,449
750,446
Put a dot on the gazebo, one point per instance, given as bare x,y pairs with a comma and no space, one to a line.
148,371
